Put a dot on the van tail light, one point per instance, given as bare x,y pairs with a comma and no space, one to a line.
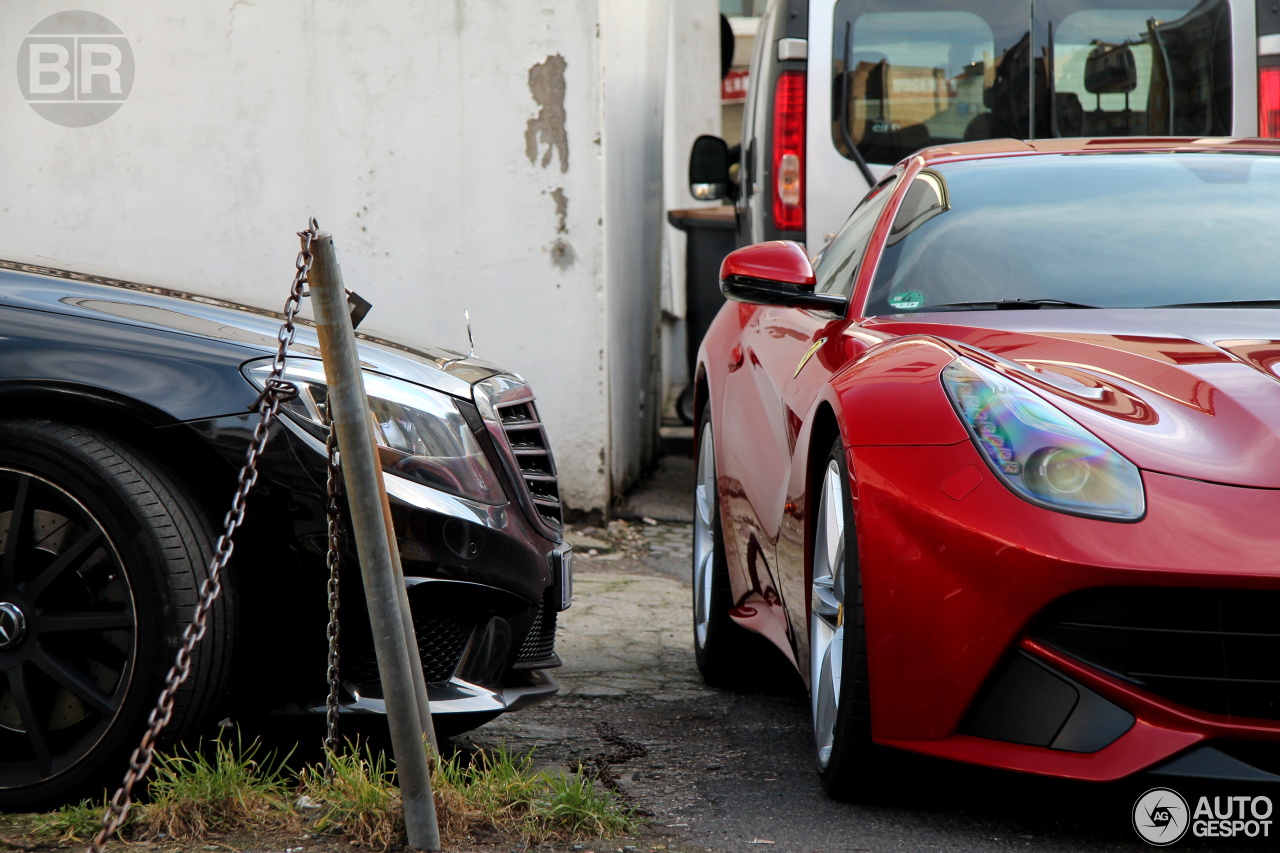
788,151
1269,102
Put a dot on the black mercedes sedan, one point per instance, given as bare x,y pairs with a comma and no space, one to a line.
125,414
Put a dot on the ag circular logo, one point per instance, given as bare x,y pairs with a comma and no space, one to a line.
1160,816
75,68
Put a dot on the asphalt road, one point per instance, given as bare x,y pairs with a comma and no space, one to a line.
725,771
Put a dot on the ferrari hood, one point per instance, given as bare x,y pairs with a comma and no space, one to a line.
1185,391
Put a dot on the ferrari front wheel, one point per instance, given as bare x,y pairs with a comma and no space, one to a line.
839,689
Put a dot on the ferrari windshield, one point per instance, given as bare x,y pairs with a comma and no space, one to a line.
1082,230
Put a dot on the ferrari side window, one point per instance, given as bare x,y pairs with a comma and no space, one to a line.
840,260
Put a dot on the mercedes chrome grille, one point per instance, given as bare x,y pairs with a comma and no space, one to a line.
528,442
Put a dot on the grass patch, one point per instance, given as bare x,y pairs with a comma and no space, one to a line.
360,800
502,792
228,787
194,794
80,822
496,793
574,808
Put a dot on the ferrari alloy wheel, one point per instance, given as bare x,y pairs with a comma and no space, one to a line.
826,623
101,557
837,639
705,539
724,650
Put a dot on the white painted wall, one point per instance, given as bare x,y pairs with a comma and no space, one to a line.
692,109
402,126
633,68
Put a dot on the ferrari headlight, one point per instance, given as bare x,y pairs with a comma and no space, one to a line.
421,435
1039,452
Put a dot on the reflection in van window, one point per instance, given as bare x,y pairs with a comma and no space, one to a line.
908,74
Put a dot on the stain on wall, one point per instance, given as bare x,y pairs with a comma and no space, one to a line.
562,209
546,84
562,254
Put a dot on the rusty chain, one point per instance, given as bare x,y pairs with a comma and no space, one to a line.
275,392
334,512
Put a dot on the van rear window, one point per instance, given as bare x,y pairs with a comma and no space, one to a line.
913,73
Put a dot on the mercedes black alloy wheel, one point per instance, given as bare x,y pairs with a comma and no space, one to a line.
101,557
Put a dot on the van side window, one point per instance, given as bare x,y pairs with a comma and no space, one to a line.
936,73
840,261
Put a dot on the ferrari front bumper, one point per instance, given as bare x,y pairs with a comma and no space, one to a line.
960,578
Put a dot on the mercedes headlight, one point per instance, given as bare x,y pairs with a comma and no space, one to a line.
421,434
1039,452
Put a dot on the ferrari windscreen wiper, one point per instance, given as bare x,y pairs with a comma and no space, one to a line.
1229,303
1006,305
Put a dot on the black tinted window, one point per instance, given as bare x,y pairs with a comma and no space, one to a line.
1126,230
913,73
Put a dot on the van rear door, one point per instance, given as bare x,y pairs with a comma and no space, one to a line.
901,75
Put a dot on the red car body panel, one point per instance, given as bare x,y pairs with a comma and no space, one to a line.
955,566
1169,374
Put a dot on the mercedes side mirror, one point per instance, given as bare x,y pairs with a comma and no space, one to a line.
709,163
775,273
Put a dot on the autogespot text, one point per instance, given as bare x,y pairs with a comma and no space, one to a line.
1232,817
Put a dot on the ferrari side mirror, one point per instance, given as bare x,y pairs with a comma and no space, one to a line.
775,273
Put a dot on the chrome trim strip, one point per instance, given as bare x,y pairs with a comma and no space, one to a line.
498,392
1268,45
461,697
425,497
562,573
503,389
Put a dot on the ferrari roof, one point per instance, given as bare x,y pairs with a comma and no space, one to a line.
1001,147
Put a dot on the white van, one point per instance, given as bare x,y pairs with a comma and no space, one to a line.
840,90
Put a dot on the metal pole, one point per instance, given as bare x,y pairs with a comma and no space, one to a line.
410,637
349,409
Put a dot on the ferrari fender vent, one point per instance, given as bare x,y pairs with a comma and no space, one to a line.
1211,650
528,442
539,644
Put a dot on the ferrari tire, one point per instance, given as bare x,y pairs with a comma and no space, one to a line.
840,695
102,555
727,654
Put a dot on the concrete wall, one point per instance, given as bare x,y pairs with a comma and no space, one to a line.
633,68
692,109
499,157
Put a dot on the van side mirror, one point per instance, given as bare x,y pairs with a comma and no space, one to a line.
709,168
